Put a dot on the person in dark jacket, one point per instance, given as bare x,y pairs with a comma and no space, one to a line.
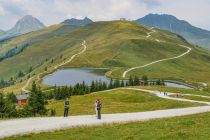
98,107
66,107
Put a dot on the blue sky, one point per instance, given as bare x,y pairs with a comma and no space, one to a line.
54,11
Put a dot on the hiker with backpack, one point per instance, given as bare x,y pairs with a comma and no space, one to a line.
98,106
66,107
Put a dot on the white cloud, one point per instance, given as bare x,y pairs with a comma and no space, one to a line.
55,11
2,11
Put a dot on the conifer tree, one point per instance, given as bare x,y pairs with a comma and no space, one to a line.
116,83
36,101
93,87
104,86
111,84
11,96
131,81
136,81
145,79
122,84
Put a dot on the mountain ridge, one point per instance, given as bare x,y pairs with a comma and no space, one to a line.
117,45
24,25
77,22
193,34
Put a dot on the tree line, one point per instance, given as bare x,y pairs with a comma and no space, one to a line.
11,81
4,83
59,93
34,107
14,51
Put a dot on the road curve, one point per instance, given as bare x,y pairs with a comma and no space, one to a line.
157,61
152,31
63,63
26,85
45,124
83,50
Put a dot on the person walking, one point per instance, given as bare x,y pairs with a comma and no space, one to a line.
66,107
98,106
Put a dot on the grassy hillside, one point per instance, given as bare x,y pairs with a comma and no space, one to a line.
194,67
196,98
122,44
176,90
44,45
193,34
117,101
118,45
192,127
25,38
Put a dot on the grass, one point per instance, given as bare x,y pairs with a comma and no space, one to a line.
25,38
117,101
117,45
197,98
176,90
192,127
192,67
45,45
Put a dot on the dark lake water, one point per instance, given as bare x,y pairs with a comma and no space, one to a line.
72,76
178,85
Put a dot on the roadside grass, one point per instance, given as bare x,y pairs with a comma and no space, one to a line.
175,90
192,127
117,101
196,98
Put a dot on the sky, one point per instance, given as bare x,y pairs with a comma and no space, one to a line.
55,11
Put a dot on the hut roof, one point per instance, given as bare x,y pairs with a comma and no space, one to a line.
22,96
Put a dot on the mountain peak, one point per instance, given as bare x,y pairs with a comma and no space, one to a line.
26,24
171,23
164,21
77,22
27,16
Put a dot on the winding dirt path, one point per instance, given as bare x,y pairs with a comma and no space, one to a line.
24,88
157,61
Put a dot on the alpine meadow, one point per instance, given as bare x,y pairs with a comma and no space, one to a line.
87,71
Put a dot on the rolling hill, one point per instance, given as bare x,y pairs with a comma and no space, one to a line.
193,34
24,58
118,45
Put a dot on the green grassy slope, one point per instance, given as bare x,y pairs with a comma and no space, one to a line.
193,127
122,44
194,67
117,101
196,98
176,90
115,44
26,38
44,45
